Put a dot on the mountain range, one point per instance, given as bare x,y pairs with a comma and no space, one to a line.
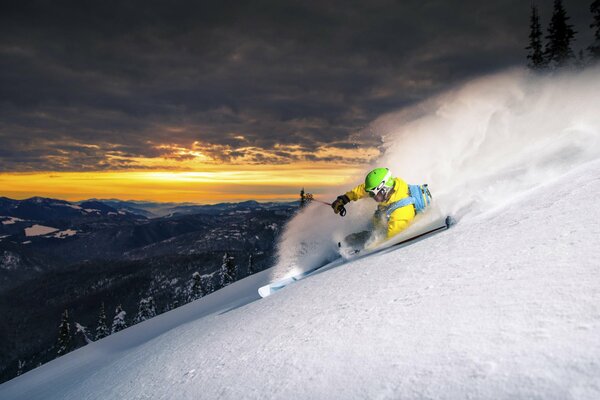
57,255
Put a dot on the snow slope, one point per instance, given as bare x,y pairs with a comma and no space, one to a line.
506,305
39,230
10,220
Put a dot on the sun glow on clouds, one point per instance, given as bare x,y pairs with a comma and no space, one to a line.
189,157
199,173
179,152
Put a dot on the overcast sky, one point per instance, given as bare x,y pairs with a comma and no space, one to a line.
95,85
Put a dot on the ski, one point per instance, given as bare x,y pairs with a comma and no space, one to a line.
447,223
273,287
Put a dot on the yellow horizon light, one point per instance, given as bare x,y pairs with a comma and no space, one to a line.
213,184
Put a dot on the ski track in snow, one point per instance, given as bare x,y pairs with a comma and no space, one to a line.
506,305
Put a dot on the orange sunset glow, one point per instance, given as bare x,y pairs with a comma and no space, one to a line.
210,185
195,174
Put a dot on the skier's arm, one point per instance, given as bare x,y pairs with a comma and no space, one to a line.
357,193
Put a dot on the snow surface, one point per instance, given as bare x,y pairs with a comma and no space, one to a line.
39,230
504,305
64,234
73,206
11,220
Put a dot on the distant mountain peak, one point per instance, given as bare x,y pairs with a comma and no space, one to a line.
97,205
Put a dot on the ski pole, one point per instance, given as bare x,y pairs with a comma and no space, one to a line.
310,197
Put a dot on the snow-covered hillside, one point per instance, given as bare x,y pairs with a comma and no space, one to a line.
505,304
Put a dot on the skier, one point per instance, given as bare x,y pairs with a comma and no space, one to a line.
398,203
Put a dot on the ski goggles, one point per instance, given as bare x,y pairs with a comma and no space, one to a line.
375,191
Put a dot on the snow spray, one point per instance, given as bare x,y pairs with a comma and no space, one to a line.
479,147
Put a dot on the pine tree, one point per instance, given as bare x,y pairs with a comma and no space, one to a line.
196,290
102,328
228,271
302,199
558,52
172,305
20,367
146,309
207,284
251,265
82,336
594,49
119,321
580,61
65,338
536,54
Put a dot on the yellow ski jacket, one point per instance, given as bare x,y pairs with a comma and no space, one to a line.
400,218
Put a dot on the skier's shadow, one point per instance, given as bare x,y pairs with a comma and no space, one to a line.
244,301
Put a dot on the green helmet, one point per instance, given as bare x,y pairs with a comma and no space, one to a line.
377,177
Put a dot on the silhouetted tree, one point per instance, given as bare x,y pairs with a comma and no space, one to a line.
196,291
302,199
207,284
580,61
146,309
119,321
102,327
536,53
20,367
251,265
81,336
65,337
558,52
228,271
594,49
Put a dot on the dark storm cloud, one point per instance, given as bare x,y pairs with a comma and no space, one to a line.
81,81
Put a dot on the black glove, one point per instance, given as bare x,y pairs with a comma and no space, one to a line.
339,203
